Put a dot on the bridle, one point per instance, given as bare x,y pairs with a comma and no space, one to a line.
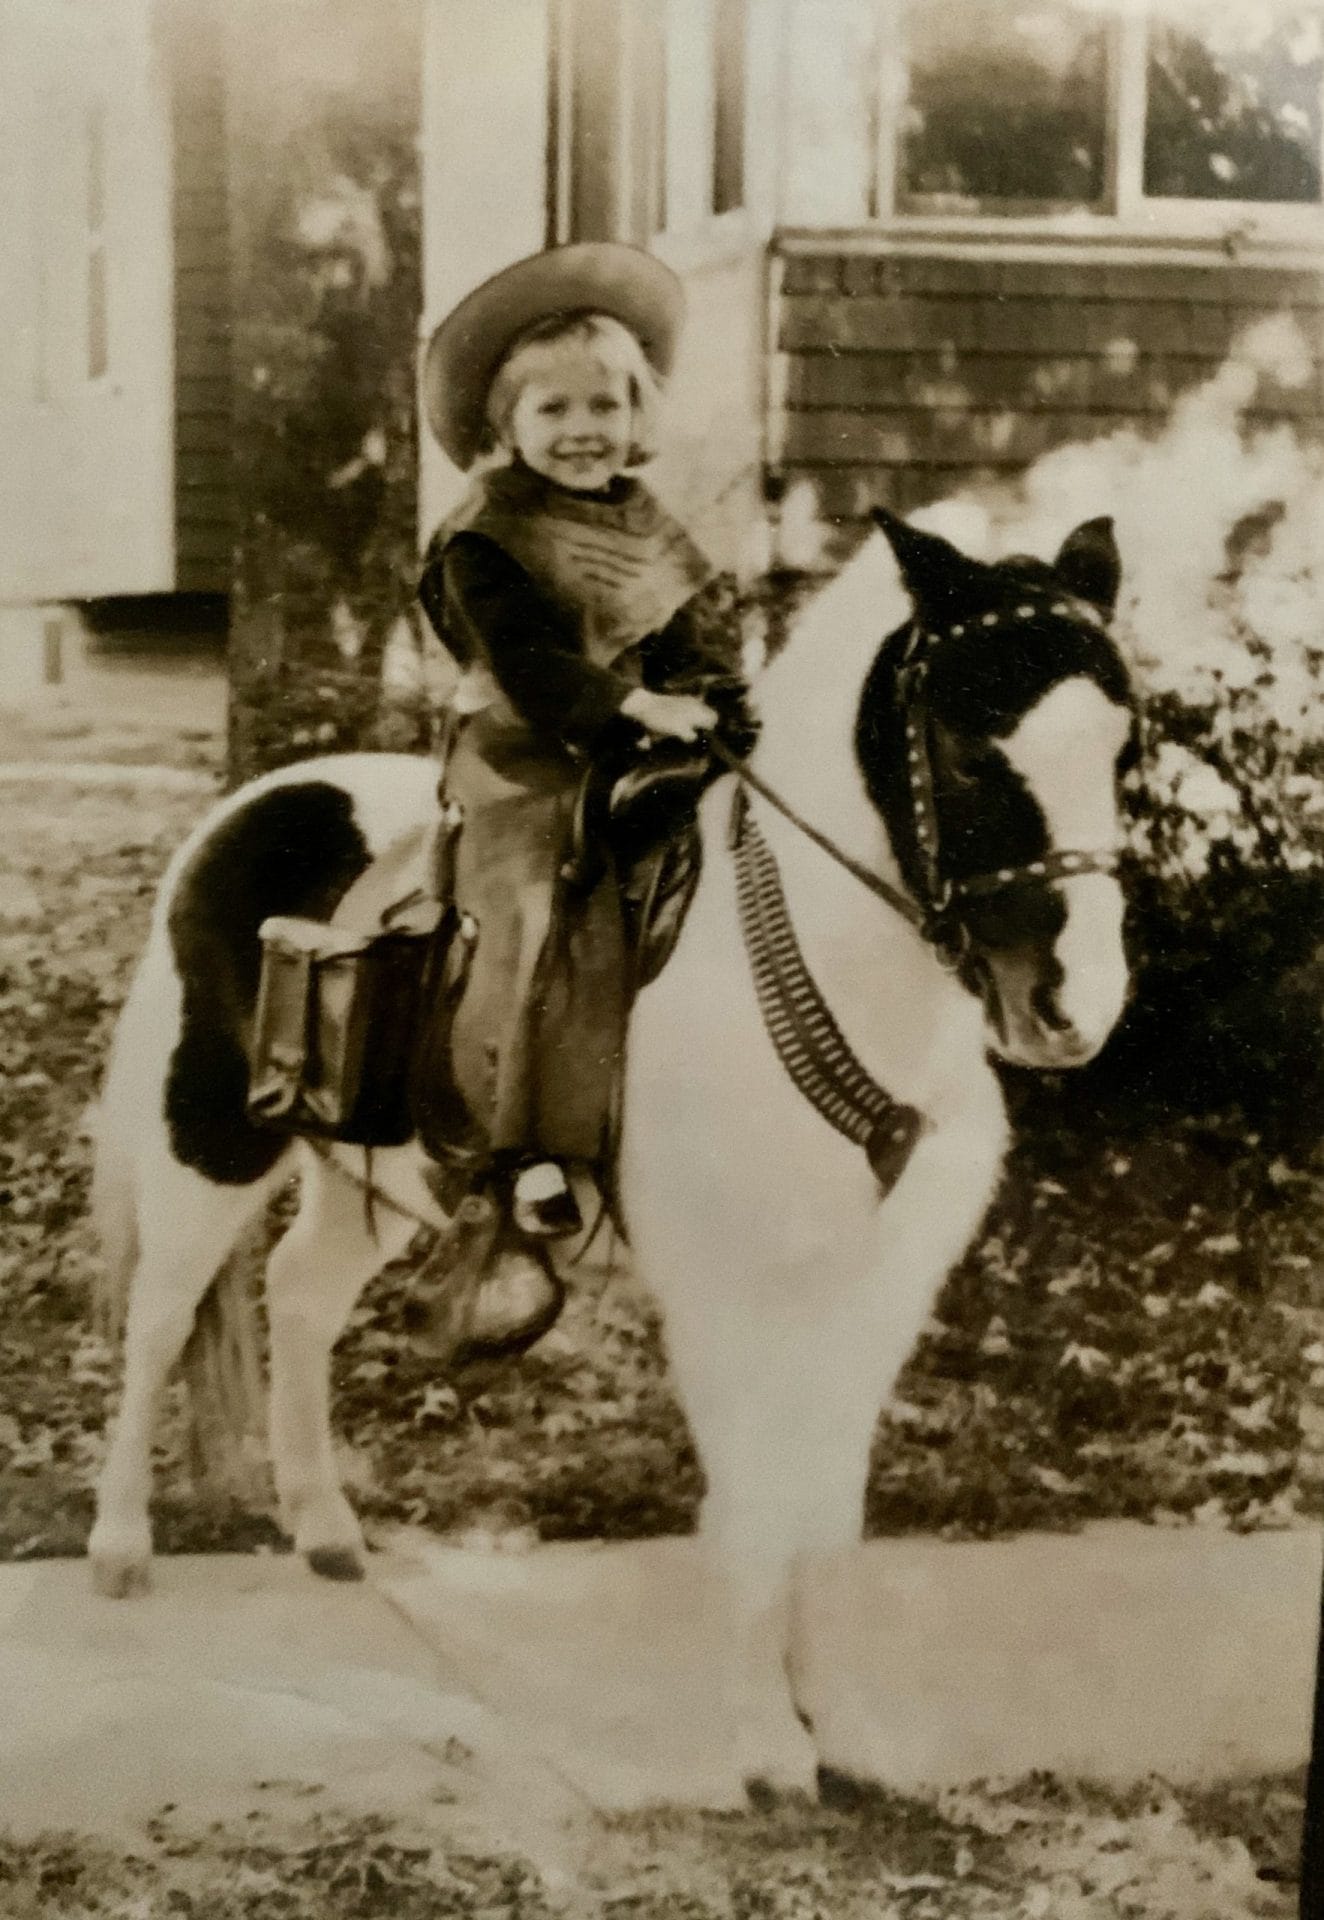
805,1036
935,909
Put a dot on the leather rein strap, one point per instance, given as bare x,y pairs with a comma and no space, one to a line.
893,897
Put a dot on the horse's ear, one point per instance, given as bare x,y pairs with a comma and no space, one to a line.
932,568
1089,564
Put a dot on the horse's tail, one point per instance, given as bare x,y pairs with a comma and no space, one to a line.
222,1369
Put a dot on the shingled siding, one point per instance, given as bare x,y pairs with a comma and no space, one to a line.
204,485
903,377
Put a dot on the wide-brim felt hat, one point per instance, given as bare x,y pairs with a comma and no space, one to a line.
592,276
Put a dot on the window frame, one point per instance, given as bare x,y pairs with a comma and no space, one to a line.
95,307
1127,213
621,160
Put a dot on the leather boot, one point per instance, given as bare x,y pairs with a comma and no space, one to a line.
481,1294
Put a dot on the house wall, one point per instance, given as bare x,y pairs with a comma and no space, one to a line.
710,470
486,83
712,463
488,194
85,303
901,376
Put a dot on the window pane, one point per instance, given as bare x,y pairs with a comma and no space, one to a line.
1233,107
1007,104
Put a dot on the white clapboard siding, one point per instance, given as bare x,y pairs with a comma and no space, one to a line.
86,477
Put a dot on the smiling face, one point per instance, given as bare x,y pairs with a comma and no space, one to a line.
573,418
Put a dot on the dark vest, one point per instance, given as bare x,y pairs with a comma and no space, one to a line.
616,562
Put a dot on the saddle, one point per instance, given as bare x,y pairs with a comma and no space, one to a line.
352,1031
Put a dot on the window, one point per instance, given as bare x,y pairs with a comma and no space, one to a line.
606,140
729,29
647,117
1233,107
71,237
1005,106
1185,116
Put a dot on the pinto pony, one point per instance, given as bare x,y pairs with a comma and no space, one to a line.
919,867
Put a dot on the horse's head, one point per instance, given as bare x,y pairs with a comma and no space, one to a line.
991,732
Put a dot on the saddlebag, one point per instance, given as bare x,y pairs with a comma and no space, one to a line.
339,1013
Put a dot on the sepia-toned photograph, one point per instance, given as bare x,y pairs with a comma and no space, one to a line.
661,1258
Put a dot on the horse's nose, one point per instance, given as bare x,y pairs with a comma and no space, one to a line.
1048,1011
1063,1040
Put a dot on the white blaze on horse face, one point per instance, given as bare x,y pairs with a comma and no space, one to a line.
1065,750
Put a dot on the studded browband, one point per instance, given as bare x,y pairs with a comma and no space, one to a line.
942,895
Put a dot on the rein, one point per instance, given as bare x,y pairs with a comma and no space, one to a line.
884,890
936,919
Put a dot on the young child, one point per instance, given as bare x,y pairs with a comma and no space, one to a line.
588,624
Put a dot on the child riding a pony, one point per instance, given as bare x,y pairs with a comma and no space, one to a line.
589,628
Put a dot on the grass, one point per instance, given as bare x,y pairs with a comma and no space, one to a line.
1038,1849
1138,1331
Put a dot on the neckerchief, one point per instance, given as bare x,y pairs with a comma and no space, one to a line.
616,561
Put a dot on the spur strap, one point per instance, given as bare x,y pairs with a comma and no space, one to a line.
807,1040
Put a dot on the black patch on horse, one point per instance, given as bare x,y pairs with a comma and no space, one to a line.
981,683
294,850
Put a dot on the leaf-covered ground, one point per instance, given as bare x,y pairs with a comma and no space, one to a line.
1036,1851
1138,1331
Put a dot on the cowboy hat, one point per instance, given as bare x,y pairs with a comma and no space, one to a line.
595,276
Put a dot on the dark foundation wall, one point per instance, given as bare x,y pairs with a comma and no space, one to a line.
322,123
902,377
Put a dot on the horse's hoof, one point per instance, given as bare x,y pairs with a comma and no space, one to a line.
766,1793
120,1576
335,1563
781,1766
846,1792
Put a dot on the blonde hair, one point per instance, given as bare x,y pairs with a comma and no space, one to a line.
611,345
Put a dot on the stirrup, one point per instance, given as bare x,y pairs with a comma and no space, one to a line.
553,1215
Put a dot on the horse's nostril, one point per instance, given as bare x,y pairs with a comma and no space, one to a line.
1044,1002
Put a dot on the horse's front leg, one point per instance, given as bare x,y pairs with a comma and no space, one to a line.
315,1274
860,1342
750,1557
730,1366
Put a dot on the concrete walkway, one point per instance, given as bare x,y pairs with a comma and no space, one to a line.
543,1685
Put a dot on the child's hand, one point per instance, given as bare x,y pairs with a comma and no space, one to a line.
679,716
